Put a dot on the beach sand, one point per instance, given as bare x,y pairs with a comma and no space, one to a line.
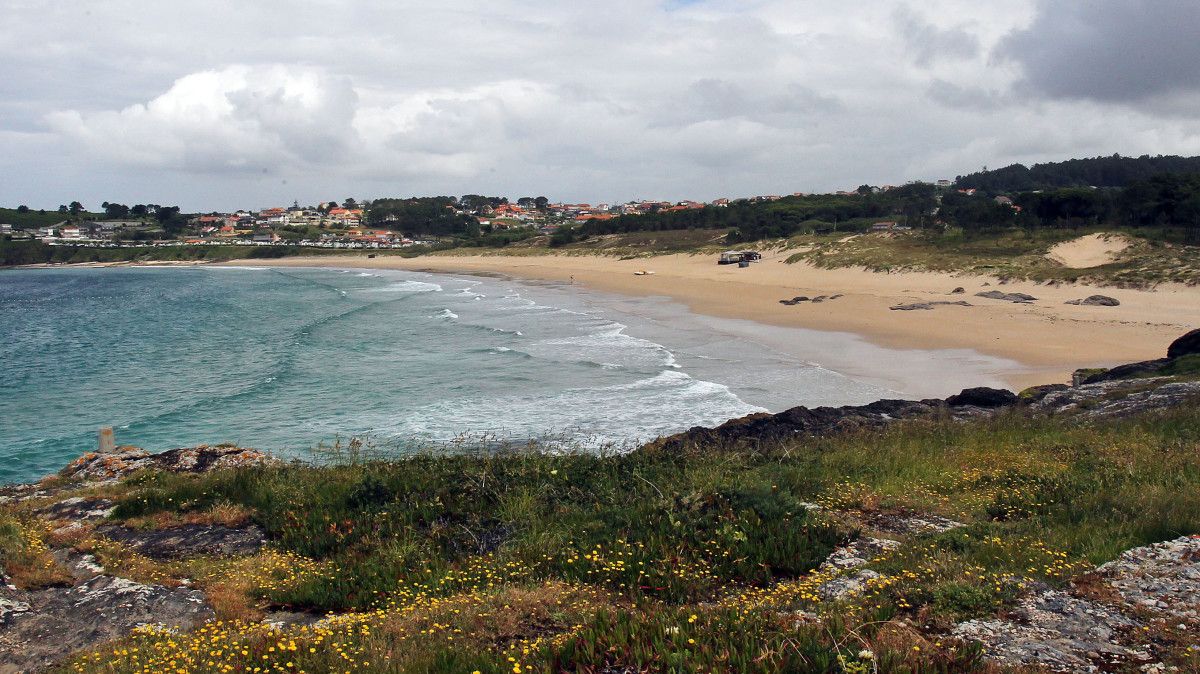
1048,339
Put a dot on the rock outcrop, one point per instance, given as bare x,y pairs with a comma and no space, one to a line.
1118,398
94,466
40,627
188,540
1082,630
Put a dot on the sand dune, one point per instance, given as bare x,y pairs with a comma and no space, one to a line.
1047,337
1092,250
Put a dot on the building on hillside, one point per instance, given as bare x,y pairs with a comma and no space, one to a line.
885,226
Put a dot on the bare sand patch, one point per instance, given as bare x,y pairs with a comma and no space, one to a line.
1089,251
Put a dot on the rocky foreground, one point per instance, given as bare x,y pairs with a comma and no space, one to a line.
1111,618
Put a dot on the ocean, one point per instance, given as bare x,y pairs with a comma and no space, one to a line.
287,359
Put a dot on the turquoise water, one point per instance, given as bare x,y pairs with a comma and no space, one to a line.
284,359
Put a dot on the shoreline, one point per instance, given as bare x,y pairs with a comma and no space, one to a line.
1047,339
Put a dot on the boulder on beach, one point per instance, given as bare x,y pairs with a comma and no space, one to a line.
1007,297
958,291
1097,301
928,305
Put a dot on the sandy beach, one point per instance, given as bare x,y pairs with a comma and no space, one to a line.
1048,338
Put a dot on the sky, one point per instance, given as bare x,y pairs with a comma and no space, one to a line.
224,104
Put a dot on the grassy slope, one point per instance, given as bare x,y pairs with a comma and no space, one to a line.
649,562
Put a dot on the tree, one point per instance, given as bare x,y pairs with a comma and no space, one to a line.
22,208
525,202
75,208
350,203
138,211
62,208
114,211
541,203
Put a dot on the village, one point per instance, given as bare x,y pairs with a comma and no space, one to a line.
352,225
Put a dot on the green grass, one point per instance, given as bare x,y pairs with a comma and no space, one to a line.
675,561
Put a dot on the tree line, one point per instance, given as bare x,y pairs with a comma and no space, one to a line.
1114,171
1169,202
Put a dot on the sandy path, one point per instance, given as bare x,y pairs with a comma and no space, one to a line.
1048,338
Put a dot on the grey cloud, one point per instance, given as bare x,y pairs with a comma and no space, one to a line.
1114,51
965,97
780,106
928,43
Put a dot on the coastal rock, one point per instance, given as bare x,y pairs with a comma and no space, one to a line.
958,291
188,540
1185,346
800,421
983,396
47,625
1127,371
1036,393
1118,398
1096,301
1007,297
128,460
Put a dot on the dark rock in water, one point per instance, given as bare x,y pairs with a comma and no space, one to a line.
958,291
1007,297
834,297
983,397
189,540
1142,369
41,627
1097,301
1185,345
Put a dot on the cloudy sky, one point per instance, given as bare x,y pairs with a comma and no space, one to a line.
218,104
